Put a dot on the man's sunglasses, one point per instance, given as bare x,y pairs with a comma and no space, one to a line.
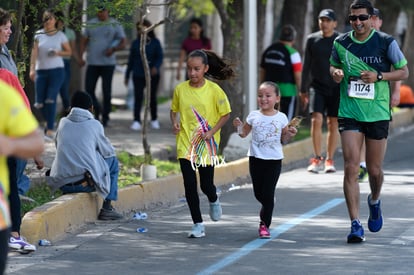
361,17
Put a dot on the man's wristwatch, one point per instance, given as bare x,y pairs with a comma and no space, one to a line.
379,76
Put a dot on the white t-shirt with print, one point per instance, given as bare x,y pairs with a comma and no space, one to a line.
266,135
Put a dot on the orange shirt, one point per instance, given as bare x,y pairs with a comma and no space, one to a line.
406,94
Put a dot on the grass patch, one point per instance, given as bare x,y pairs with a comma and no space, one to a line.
40,194
303,133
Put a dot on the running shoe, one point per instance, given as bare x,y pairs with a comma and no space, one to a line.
197,231
357,232
155,124
135,126
315,165
263,231
20,244
215,210
329,166
375,216
363,173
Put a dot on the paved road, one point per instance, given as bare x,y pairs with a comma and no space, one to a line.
308,232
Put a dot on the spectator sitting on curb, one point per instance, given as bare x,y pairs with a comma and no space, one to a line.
85,159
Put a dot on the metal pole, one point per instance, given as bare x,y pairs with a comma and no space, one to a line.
250,44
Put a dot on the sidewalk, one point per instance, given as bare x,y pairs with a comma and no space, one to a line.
67,213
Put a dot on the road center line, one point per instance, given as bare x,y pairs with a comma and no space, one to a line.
255,244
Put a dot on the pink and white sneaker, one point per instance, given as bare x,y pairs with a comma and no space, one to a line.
263,231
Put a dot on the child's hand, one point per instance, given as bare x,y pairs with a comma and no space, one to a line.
176,128
292,131
239,125
39,162
237,122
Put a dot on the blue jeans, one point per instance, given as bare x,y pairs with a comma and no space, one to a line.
64,91
112,163
23,181
47,86
92,75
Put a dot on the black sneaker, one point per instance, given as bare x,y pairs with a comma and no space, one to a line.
109,215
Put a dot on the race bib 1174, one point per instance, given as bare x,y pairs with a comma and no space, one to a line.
360,89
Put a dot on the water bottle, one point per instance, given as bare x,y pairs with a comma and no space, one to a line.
44,242
142,230
140,216
240,126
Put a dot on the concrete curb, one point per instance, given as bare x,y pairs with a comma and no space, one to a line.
68,212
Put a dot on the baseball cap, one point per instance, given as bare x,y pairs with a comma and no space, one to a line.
328,13
377,13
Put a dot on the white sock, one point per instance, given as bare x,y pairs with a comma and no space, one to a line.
372,202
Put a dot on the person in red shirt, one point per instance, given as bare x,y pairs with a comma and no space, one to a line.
196,40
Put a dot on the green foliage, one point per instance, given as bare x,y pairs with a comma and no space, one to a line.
40,194
130,165
303,133
199,7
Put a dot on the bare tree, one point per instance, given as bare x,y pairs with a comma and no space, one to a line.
294,13
232,27
144,30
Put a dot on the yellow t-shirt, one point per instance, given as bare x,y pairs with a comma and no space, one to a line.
199,109
15,121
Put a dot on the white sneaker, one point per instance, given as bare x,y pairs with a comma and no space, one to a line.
21,245
197,231
155,124
215,210
135,126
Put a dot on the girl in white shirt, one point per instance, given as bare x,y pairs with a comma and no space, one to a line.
270,129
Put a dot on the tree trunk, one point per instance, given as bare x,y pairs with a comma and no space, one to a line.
261,22
390,11
233,33
408,42
145,144
294,13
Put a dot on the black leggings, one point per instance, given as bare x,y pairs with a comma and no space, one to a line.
4,249
190,186
265,174
14,199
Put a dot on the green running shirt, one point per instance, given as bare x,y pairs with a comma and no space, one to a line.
358,100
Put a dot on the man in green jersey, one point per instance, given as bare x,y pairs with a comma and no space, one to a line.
361,62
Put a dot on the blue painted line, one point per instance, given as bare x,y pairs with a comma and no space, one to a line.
253,245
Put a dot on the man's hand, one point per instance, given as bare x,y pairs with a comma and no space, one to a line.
337,75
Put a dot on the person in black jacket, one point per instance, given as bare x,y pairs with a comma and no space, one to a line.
320,91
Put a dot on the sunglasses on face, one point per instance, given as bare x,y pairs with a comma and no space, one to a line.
361,17
47,18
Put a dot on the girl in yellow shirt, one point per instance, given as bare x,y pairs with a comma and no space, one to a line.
203,109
